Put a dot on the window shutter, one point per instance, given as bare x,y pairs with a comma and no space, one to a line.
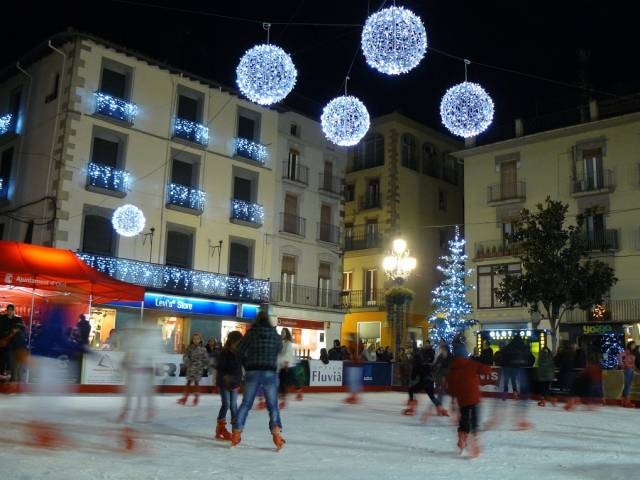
289,264
242,189
105,152
187,108
239,260
114,84
98,236
179,249
246,128
182,173
324,271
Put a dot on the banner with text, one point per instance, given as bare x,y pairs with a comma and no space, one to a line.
325,375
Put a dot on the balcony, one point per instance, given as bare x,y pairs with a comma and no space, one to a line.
503,193
185,199
179,280
365,299
600,182
495,249
306,296
367,202
250,150
330,184
328,233
247,213
191,131
360,238
295,172
107,179
293,224
7,125
115,108
605,240
615,311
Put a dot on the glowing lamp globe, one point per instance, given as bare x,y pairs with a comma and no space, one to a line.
399,246
466,109
345,120
394,40
408,264
390,263
266,74
128,220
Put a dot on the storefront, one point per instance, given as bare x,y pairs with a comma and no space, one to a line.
498,337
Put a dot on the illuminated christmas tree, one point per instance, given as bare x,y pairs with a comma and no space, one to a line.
450,315
610,348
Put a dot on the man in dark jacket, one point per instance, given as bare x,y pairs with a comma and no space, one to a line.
516,358
12,344
336,352
422,379
84,329
258,351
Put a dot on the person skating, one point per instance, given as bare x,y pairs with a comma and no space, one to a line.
353,374
228,380
464,385
195,360
422,380
259,350
517,357
546,375
627,360
287,368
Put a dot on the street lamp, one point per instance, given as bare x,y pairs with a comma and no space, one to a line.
398,265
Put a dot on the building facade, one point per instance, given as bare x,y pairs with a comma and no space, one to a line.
306,244
589,165
401,181
88,126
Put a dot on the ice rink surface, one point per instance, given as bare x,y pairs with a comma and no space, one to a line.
326,440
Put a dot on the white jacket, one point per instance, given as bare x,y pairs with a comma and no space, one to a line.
286,355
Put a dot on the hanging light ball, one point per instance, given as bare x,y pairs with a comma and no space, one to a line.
128,220
394,40
266,74
345,120
466,109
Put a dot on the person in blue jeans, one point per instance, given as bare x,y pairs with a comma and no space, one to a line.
228,380
258,351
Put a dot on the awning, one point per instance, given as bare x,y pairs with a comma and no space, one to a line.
44,268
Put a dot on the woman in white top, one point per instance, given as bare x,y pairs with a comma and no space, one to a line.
286,368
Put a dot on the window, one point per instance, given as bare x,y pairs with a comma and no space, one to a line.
55,84
442,200
445,234
188,108
249,124
349,192
370,286
371,233
324,284
369,153
594,226
115,82
288,278
409,154
373,193
105,152
450,171
182,173
347,281
489,279
179,251
508,179
294,130
589,172
245,183
293,165
239,259
98,236
508,228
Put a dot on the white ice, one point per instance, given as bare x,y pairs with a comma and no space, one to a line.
325,440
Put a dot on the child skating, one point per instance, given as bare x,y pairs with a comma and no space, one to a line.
195,361
228,380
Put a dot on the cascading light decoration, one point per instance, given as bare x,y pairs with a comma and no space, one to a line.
345,120
466,109
394,40
266,74
128,220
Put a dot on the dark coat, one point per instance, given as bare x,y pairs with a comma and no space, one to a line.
486,356
546,367
422,363
229,370
259,348
335,353
84,330
441,366
517,354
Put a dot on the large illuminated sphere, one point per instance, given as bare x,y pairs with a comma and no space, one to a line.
345,120
128,220
466,109
394,40
266,74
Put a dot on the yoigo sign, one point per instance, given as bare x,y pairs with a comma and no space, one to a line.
189,305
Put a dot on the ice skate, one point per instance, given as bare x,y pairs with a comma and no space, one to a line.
524,425
261,404
299,396
182,400
221,431
411,408
570,405
278,441
542,403
236,437
441,411
196,399
282,405
128,439
627,403
462,440
474,448
45,435
352,399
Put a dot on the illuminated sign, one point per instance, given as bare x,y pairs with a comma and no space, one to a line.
250,311
191,305
596,329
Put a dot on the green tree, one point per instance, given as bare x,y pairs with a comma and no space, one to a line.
557,273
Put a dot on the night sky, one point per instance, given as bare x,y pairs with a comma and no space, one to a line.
536,37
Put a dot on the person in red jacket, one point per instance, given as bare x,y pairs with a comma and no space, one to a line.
464,385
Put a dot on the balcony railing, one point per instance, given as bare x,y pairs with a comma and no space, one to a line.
6,123
328,233
496,248
601,241
360,238
601,180
307,296
293,224
367,202
106,177
501,192
191,131
247,213
115,108
329,183
364,298
615,311
251,150
190,199
179,280
295,172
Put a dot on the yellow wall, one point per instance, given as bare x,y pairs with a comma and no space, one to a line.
350,326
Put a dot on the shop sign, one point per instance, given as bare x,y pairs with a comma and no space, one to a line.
189,305
250,311
295,323
28,281
596,329
325,375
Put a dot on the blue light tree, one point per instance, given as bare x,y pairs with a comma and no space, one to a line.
611,347
450,315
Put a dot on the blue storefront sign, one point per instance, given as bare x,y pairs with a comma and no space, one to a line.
249,311
189,305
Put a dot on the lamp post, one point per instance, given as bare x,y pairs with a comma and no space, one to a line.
398,265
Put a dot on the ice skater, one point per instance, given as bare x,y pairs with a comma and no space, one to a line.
228,380
546,375
195,361
353,374
287,369
627,361
422,380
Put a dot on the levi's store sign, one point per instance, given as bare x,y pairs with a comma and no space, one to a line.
187,305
